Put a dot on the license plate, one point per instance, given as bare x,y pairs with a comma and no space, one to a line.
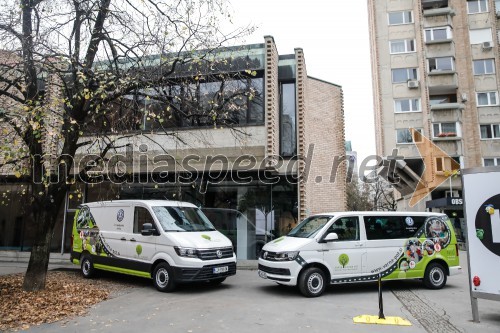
263,274
223,269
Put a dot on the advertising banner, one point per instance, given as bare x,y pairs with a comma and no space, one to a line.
481,188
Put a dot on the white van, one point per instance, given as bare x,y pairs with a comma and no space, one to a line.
345,247
168,241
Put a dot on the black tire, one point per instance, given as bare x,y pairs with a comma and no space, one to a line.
435,276
312,282
163,277
216,282
87,266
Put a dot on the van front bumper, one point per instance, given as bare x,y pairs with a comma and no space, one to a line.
282,272
208,272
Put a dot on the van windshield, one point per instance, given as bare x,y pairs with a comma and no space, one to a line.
182,219
310,226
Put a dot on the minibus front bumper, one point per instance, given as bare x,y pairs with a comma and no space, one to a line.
205,273
282,272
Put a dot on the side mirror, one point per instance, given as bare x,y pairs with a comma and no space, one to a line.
332,236
147,229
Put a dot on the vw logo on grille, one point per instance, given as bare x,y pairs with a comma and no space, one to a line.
219,253
264,256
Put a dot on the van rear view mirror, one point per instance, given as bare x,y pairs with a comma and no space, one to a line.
147,229
332,236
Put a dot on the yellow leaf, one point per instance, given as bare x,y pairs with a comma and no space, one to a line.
17,174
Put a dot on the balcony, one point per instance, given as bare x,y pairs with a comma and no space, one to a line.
446,136
447,106
434,4
442,82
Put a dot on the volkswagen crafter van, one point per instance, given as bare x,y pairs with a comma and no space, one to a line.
169,241
346,247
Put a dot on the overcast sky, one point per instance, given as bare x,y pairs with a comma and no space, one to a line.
334,37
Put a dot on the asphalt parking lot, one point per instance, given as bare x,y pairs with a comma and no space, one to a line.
247,303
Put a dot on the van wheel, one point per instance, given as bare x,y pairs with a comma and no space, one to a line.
163,277
435,276
87,267
312,282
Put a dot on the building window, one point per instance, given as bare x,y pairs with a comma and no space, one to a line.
404,17
443,164
441,64
487,98
442,99
495,161
484,66
442,130
403,136
438,34
478,36
477,6
288,142
490,131
402,46
400,75
407,105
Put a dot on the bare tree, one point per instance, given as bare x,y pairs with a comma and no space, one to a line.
358,196
69,67
382,196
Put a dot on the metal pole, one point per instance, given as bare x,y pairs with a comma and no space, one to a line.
475,310
64,222
380,300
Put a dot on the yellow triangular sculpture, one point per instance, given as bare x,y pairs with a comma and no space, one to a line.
367,319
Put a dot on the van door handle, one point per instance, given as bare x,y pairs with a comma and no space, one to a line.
123,239
358,245
132,240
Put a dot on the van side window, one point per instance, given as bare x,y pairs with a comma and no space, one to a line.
141,216
84,219
392,227
347,228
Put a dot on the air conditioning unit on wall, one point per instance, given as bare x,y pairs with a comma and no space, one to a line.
412,84
487,45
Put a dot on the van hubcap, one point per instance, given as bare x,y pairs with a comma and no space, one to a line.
436,276
86,267
315,283
162,277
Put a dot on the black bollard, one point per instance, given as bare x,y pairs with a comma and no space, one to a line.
380,300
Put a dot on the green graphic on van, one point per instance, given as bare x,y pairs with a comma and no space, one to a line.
279,239
207,237
343,259
138,249
480,233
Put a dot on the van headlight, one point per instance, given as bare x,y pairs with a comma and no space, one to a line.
286,256
186,252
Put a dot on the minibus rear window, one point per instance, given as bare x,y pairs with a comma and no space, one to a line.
392,226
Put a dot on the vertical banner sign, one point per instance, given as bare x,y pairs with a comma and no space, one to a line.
481,188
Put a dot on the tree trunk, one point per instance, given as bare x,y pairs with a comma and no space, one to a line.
36,273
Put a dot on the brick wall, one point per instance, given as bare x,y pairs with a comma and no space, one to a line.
324,128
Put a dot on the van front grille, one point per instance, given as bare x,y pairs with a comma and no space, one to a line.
205,273
272,270
214,254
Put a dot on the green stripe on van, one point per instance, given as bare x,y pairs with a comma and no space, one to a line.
122,270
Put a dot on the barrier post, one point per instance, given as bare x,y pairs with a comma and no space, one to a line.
380,300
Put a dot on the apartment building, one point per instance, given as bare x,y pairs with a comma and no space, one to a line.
435,67
244,172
